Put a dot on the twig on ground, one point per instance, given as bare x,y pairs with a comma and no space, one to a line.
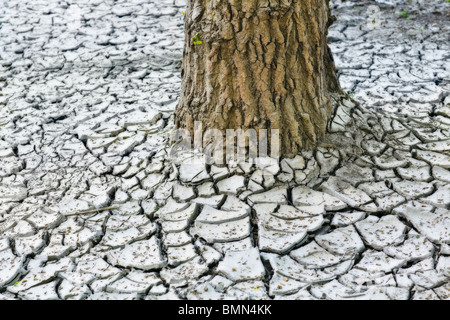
304,212
91,211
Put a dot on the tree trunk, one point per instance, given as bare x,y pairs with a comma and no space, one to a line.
259,64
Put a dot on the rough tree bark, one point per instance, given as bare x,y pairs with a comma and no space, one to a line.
261,64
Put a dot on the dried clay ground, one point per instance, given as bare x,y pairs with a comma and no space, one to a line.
89,90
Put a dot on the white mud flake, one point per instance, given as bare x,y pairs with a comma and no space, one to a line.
248,290
314,256
45,220
434,158
342,219
126,285
214,216
443,266
305,196
181,254
223,232
31,244
288,267
40,275
416,247
284,286
275,195
428,279
126,143
187,214
12,193
176,239
234,204
413,189
224,247
278,241
145,255
205,291
421,174
183,193
440,198
303,223
182,274
342,241
303,295
345,192
42,292
11,267
434,225
242,265
379,233
388,202
213,201
232,185
193,173
171,206
334,290
113,296
443,291
374,261
441,174
425,295
97,267
128,209
355,174
209,254
56,249
115,239
291,213
22,229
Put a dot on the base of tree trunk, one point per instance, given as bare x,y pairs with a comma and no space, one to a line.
260,66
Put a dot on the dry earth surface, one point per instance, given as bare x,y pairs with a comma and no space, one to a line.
89,90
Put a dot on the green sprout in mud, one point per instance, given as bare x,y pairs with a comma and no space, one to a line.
405,14
196,40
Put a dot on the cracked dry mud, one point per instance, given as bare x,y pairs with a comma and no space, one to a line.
88,95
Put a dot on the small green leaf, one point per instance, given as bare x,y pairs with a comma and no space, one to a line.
196,40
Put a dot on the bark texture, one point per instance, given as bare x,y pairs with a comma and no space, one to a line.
261,64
